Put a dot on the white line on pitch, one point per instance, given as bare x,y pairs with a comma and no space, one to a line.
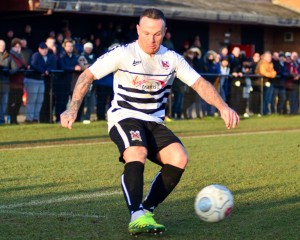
62,214
58,200
182,137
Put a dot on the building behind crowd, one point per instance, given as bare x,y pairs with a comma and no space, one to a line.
257,25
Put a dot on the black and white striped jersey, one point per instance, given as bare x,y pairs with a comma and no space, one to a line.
142,82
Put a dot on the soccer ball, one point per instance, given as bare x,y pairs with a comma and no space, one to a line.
214,203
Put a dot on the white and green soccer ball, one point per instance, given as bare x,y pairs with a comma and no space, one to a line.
214,203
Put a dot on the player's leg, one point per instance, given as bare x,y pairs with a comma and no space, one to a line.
172,156
131,141
133,179
174,160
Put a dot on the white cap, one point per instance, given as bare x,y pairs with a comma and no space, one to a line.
88,45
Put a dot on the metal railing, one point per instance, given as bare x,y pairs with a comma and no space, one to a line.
55,74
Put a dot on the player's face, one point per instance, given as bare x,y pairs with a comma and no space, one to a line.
151,34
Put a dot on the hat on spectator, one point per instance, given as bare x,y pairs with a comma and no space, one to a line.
288,54
15,41
88,45
43,45
281,54
195,50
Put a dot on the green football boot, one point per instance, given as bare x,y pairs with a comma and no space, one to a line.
145,224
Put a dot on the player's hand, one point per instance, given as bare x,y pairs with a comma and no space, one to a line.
67,118
230,117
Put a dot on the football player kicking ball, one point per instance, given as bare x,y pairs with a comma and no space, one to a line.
143,75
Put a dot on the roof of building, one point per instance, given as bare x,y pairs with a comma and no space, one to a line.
266,12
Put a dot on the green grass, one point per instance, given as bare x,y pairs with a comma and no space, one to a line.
52,187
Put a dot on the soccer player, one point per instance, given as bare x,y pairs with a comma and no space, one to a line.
143,74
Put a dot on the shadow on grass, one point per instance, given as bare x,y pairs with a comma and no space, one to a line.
30,187
259,220
55,140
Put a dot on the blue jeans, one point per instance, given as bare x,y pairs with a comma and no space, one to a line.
177,104
4,91
268,92
35,96
90,101
294,99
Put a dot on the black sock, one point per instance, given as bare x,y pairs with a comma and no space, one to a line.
132,185
163,184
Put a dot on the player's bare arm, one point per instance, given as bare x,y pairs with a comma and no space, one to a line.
209,93
82,86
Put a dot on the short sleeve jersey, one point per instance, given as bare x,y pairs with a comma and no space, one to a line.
142,82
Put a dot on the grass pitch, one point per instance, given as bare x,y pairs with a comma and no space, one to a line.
61,184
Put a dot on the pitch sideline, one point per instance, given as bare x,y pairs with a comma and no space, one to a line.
181,137
9,209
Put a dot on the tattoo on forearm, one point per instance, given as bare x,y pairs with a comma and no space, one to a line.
81,88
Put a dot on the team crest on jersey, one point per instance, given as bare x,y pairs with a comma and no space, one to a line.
135,135
165,65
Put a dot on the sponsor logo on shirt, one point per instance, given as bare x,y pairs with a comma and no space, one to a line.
149,84
165,65
135,135
136,62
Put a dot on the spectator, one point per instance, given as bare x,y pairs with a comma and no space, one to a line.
34,84
98,48
131,34
189,94
279,93
211,68
167,42
32,42
294,95
178,89
110,35
224,85
100,33
51,45
59,43
86,59
247,88
255,98
224,53
25,51
266,69
185,47
9,37
197,43
4,80
104,92
104,95
68,62
47,106
15,80
236,83
52,34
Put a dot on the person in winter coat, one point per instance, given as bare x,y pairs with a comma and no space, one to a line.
16,79
4,80
266,69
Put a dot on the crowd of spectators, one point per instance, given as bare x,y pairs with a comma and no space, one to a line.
42,76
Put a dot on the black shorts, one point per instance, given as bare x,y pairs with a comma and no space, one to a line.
135,132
